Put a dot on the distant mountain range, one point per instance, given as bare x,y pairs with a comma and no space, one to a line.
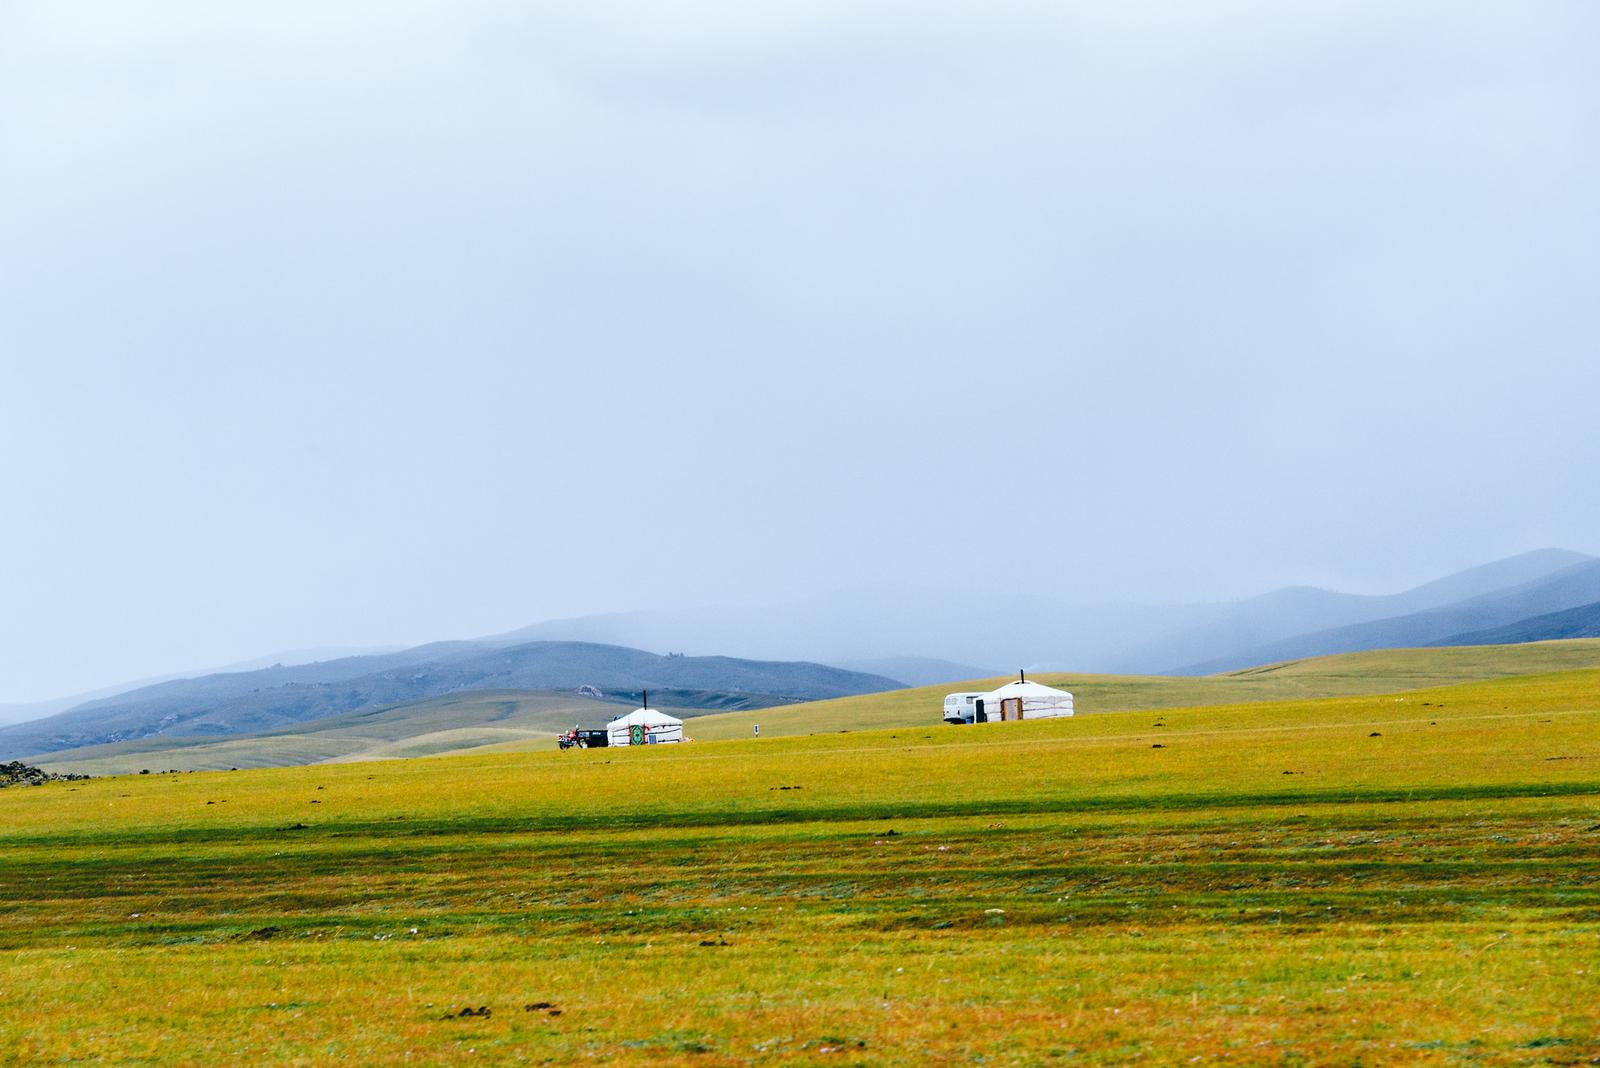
1299,619
1580,622
1513,608
1005,632
875,640
18,713
488,721
272,698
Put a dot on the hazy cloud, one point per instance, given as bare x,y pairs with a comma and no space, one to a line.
359,322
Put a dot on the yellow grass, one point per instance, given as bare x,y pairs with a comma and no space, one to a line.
1402,878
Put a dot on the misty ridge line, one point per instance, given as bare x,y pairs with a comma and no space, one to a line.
516,265
869,628
278,697
1004,631
866,626
788,650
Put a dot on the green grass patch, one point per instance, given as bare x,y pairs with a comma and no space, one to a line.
1400,878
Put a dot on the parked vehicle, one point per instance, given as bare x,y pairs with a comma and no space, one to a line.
583,739
963,708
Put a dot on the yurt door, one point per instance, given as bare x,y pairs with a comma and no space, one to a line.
1011,708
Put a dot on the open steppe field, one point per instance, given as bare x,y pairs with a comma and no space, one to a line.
482,721
1341,675
466,720
1384,879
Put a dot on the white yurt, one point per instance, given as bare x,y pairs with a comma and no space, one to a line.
1025,700
644,726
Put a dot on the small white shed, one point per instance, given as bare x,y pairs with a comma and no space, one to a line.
644,726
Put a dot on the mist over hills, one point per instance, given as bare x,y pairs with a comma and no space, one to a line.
918,670
1242,634
276,697
1563,589
877,640
1005,632
484,721
1580,622
20,713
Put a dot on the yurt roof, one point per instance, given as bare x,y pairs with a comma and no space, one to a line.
1027,689
647,717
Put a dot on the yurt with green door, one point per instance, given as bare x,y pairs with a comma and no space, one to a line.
644,726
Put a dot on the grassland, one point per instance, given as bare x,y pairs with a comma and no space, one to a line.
1347,674
1401,878
454,722
520,720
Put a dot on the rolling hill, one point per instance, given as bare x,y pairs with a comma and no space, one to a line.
1538,595
1558,591
275,698
519,721
421,728
865,631
1580,622
1032,630
1350,674
1243,633
32,710
1392,879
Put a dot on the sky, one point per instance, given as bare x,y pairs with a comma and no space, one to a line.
327,322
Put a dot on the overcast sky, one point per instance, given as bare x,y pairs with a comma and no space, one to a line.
375,322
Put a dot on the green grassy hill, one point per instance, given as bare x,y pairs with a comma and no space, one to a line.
493,721
1406,878
279,698
440,724
1329,676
